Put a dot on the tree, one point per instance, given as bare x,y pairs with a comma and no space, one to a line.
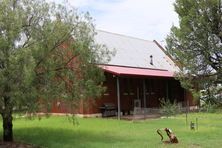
47,51
197,43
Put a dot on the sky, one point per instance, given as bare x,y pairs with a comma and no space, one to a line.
146,19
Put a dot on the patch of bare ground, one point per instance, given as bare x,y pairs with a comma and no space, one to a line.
16,145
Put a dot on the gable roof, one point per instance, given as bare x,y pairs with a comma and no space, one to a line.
134,52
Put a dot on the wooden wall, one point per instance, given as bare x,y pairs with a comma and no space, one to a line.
131,88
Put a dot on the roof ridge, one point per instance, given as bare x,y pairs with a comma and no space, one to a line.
123,35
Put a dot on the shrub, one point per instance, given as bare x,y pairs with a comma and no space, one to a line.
209,107
168,108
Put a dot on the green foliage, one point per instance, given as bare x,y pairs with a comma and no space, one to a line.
212,95
196,44
208,107
47,51
168,108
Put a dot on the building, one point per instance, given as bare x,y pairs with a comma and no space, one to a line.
139,75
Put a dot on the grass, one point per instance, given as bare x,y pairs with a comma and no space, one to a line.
58,132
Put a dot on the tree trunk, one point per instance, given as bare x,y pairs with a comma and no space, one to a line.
7,119
7,127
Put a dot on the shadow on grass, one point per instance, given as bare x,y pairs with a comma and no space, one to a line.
52,137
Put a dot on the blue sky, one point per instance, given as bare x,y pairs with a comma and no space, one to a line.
146,19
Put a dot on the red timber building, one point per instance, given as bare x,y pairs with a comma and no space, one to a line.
138,75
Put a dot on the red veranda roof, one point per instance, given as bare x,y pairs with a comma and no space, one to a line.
119,70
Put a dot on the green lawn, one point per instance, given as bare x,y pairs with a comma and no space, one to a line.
58,132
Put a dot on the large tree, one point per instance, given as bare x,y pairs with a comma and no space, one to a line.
196,44
47,51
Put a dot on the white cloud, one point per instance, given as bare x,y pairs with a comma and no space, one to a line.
81,3
148,19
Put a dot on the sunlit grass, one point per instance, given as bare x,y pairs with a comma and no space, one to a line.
58,132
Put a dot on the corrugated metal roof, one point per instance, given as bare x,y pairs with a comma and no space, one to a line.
118,70
134,52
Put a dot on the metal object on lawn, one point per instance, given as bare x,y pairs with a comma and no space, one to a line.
197,123
170,134
108,110
192,125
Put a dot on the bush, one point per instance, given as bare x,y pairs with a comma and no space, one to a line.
209,107
168,108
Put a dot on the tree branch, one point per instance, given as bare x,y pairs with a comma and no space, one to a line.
53,48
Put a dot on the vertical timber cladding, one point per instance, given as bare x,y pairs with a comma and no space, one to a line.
163,88
92,105
133,87
109,96
189,99
127,94
176,92
155,90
